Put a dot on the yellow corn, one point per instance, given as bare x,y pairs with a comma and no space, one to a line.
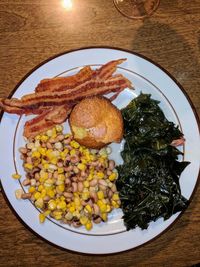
42,217
51,204
72,209
59,128
115,196
88,225
51,193
104,216
83,220
31,189
113,176
39,203
74,144
100,175
54,161
62,205
16,176
44,138
42,151
72,152
88,209
47,212
37,137
85,195
57,215
36,154
90,177
28,166
81,166
37,195
100,194
86,184
60,188
115,204
60,170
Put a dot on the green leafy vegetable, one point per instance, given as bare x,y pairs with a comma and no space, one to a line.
148,182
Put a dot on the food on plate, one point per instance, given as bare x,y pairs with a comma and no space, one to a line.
67,181
148,182
96,122
54,98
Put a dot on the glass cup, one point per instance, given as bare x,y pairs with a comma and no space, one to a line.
136,9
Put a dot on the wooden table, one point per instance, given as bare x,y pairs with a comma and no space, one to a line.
32,31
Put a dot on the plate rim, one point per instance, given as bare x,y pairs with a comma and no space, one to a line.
146,59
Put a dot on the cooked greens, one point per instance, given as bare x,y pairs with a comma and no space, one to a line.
148,182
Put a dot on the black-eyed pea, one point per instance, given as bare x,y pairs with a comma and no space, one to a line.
26,182
74,187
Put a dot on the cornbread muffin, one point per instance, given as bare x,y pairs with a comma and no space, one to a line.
96,122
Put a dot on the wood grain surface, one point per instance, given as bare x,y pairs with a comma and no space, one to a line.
33,30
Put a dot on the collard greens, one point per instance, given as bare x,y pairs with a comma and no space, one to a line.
148,182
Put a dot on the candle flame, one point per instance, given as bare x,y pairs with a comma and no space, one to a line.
67,4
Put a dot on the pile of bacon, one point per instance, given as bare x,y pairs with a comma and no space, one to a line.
54,98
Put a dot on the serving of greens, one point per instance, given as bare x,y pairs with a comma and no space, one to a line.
148,182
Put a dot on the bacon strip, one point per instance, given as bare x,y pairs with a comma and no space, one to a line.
54,98
92,87
46,120
58,82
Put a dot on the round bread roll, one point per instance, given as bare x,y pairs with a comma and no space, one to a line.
96,122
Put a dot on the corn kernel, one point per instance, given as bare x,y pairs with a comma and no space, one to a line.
67,135
86,184
104,216
108,208
16,176
59,128
88,209
57,215
36,154
43,193
31,189
103,207
37,137
72,209
83,220
60,170
73,152
100,194
76,214
100,175
18,193
62,205
42,151
85,195
37,195
47,212
28,166
88,225
51,204
77,201
44,138
60,188
74,144
49,182
51,193
113,176
115,196
39,203
81,166
90,177
42,217
54,161
115,204
46,166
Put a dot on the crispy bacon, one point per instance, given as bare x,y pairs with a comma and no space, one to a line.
58,82
54,98
46,120
92,87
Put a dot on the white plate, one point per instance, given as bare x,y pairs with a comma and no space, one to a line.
147,77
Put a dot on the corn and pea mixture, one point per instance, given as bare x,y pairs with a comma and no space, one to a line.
67,181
